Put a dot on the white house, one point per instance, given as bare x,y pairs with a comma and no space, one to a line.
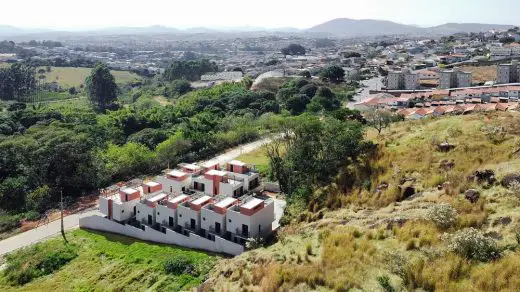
119,206
188,213
167,212
146,212
214,216
253,218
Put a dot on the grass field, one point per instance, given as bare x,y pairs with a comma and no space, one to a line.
4,65
70,76
108,262
481,74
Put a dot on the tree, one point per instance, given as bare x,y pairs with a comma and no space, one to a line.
247,81
351,54
294,50
297,104
178,87
305,74
73,91
101,87
378,119
507,40
333,74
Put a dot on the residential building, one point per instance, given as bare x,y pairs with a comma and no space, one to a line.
251,219
188,214
167,210
454,79
214,216
403,80
120,205
508,73
146,209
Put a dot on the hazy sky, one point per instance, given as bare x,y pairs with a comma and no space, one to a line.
68,14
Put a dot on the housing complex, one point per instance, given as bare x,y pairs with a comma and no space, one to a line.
427,103
195,205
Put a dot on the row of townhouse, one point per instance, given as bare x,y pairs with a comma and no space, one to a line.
460,109
201,206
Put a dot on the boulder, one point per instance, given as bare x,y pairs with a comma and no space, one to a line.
509,178
446,147
483,176
472,195
447,164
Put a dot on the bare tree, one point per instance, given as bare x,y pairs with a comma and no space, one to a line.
61,212
379,119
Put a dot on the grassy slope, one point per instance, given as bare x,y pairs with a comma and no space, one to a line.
351,247
482,73
108,262
70,76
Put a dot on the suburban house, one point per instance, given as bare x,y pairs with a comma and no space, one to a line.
197,206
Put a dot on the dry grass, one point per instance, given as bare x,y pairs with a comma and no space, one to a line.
71,76
482,73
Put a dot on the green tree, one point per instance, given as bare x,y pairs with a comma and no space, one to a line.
379,119
333,74
177,87
305,74
101,87
294,50
297,104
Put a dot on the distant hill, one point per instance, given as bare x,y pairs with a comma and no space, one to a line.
155,29
365,27
450,28
370,27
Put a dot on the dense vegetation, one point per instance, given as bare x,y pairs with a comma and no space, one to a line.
77,148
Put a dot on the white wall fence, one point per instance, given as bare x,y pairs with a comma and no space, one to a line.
192,240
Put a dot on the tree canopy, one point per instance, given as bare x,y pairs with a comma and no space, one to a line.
294,50
333,74
101,87
190,70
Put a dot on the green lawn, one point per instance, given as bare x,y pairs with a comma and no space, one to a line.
70,76
108,262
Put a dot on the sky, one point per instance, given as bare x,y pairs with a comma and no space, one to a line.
73,14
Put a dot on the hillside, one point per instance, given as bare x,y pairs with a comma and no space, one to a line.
369,27
380,237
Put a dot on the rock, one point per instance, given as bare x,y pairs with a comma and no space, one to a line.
447,164
506,221
495,235
510,178
382,186
472,195
439,187
483,176
446,147
407,191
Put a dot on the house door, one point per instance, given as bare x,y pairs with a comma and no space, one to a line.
259,229
245,230
171,222
192,221
150,220
217,227
134,211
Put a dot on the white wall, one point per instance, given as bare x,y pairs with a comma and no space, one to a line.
264,218
142,213
103,205
173,186
123,211
185,214
163,214
220,245
208,184
237,219
209,218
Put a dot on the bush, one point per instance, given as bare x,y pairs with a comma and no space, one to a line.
472,244
33,262
384,282
443,215
177,265
9,222
32,215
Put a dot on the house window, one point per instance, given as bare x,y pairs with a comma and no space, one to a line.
204,218
180,215
229,220
122,211
158,213
138,211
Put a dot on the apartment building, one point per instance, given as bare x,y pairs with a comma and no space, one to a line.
251,219
399,80
454,79
508,73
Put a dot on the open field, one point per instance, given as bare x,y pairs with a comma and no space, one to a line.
70,76
107,262
4,65
482,73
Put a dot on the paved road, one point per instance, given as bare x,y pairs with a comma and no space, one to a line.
43,232
72,221
370,84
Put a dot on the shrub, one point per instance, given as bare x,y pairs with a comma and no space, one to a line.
254,243
32,215
443,215
495,134
177,265
472,244
384,282
33,262
9,222
514,188
308,248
